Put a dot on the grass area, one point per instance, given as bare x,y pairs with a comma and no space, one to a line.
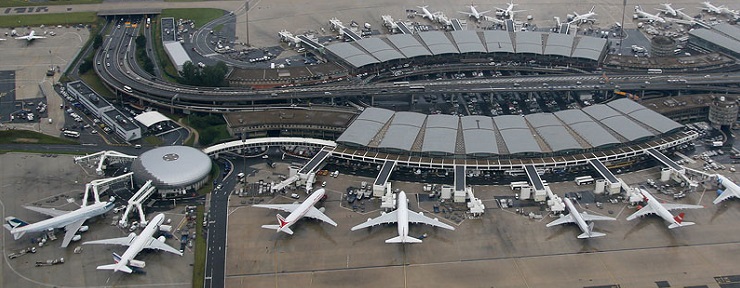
48,19
93,80
30,137
22,3
153,140
199,265
218,28
42,151
199,16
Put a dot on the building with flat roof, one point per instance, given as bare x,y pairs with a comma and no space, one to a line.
724,38
120,124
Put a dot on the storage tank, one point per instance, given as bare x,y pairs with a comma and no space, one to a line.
662,46
723,111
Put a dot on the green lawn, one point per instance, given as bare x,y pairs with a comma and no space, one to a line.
22,3
199,16
48,19
199,265
93,80
30,137
153,140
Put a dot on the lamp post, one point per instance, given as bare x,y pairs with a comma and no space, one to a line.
246,8
172,103
621,32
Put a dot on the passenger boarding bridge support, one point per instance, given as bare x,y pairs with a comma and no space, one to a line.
404,28
460,184
112,157
379,186
93,186
457,25
543,193
144,193
613,184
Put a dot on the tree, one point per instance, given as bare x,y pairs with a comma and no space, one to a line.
85,66
141,41
97,41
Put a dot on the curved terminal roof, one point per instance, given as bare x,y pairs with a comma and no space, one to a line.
479,135
405,46
379,49
150,118
408,45
438,43
468,41
498,41
351,54
366,126
403,130
598,126
528,42
165,166
559,44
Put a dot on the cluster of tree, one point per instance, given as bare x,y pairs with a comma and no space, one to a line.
210,76
211,128
141,55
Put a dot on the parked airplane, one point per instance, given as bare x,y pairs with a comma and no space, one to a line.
135,244
508,13
297,211
402,215
642,14
71,221
731,189
426,14
583,18
474,13
662,209
30,37
709,7
668,10
580,219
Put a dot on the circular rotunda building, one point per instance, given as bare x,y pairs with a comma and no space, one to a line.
174,170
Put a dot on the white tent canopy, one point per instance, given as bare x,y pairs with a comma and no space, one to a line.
150,118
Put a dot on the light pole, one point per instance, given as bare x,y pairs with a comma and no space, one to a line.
246,7
621,32
172,103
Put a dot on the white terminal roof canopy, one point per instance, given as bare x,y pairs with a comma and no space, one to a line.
599,126
150,118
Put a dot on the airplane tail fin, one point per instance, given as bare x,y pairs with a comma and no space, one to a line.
675,225
15,222
115,268
403,239
278,228
679,218
592,9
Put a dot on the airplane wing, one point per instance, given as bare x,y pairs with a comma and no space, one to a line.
562,220
47,211
285,207
71,230
415,217
590,217
159,245
727,194
484,12
383,219
125,241
316,214
675,206
642,212
466,13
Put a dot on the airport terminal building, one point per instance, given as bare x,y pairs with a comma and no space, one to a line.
174,170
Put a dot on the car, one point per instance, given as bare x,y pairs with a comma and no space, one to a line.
94,131
218,187
323,184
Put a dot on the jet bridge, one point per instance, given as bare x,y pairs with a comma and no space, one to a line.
112,157
310,42
540,194
314,163
404,28
95,184
457,25
135,202
564,28
347,32
614,184
676,169
379,186
460,185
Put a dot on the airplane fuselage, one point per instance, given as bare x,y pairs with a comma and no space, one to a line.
659,209
577,216
302,209
141,240
403,215
61,221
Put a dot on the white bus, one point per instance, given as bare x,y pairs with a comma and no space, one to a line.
417,87
584,180
655,71
71,134
127,89
519,185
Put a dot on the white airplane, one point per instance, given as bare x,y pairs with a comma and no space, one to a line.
668,10
426,14
731,189
580,219
474,13
297,211
648,16
662,210
30,37
71,221
135,244
583,18
709,7
508,13
402,215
